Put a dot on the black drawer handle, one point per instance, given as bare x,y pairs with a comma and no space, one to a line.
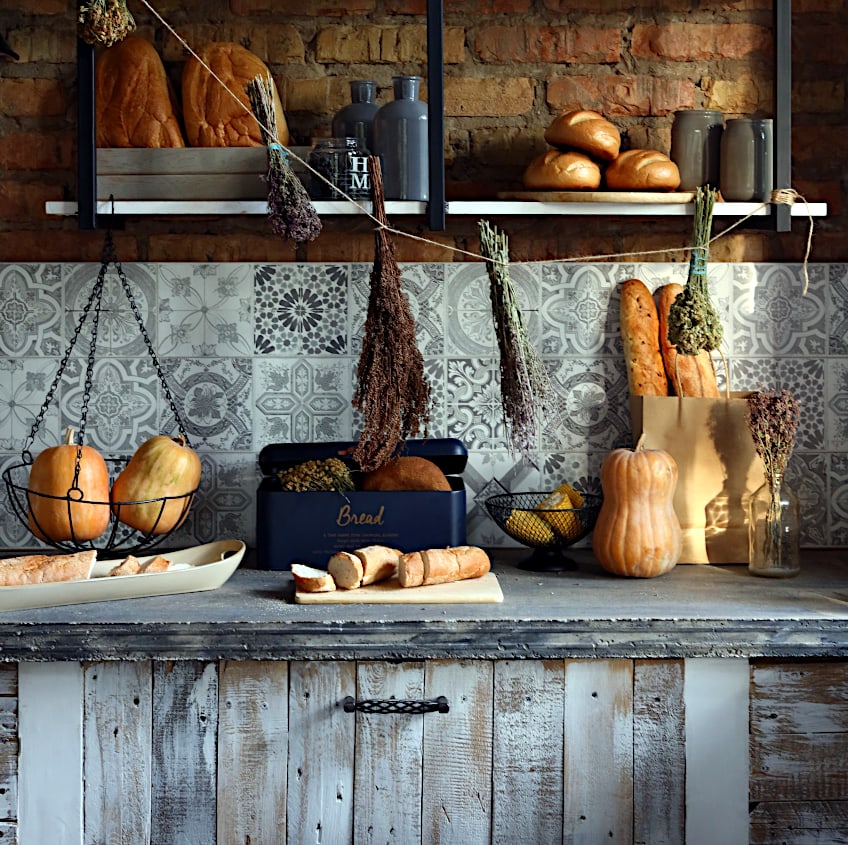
394,705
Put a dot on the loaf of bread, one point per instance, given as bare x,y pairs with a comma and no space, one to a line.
134,104
212,117
640,337
440,566
642,170
406,473
556,170
689,375
312,580
585,130
44,569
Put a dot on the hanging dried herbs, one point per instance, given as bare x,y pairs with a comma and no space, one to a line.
104,22
392,391
526,390
693,323
290,211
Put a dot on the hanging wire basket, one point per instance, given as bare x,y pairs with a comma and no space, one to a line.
117,536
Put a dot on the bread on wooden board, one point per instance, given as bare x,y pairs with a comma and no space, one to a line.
346,569
640,337
378,563
406,473
312,580
411,569
43,569
689,375
559,170
134,104
585,130
441,566
642,170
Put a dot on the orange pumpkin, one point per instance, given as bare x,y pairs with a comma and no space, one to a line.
638,533
80,514
161,467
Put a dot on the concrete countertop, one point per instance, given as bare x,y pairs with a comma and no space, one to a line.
693,611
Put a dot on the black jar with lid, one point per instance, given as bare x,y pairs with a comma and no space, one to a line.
343,162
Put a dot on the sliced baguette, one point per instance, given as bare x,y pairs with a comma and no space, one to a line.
156,564
378,563
130,565
43,569
411,570
347,570
308,579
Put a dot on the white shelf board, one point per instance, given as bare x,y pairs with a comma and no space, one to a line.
226,207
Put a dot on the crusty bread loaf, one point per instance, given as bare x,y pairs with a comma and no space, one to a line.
406,473
556,170
312,580
411,569
642,170
134,105
43,569
441,566
640,337
689,375
212,117
378,563
473,561
585,130
346,569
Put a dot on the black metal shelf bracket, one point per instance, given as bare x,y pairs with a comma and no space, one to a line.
781,212
86,138
436,115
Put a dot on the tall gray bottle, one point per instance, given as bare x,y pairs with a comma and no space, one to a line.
356,120
400,139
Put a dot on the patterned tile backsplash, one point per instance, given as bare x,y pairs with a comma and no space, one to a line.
257,354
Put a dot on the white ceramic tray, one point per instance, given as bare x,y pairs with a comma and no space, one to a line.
199,568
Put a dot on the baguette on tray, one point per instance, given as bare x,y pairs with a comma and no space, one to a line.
640,337
439,566
44,569
364,566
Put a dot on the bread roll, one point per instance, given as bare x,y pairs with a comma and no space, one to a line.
555,170
585,130
378,563
134,105
640,337
212,117
406,473
311,580
411,569
43,569
689,375
642,170
346,569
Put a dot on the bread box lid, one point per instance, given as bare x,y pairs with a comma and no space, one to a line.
447,453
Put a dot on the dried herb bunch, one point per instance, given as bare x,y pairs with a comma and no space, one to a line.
693,323
392,391
526,390
104,22
773,419
290,211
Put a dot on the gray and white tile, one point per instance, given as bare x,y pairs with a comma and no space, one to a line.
31,310
24,387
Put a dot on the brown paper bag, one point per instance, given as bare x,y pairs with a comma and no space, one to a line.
718,468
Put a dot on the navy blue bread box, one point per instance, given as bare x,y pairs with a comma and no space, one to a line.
308,527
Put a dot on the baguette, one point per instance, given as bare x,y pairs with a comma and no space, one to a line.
378,563
640,337
347,570
308,579
43,569
441,566
411,569
689,375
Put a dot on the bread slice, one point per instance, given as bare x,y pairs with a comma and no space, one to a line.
378,563
156,564
411,569
308,579
130,565
43,569
347,570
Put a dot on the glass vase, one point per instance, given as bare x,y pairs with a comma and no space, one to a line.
774,531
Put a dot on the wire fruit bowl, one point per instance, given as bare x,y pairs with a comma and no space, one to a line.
547,531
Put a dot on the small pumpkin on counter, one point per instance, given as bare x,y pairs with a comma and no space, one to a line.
61,513
638,533
161,467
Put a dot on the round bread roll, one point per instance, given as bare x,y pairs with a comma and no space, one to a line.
212,117
562,171
642,170
585,130
406,473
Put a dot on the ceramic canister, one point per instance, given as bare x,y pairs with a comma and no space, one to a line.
696,147
747,160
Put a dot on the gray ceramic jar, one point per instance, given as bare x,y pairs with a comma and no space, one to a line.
356,120
747,160
696,147
400,139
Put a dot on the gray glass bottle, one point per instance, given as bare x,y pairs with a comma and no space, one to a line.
400,139
356,120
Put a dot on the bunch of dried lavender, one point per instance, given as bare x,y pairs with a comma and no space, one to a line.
773,419
104,22
526,391
290,211
693,323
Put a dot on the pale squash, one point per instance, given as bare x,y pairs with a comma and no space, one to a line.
161,467
637,533
63,513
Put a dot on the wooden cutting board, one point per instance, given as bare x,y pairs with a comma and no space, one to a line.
485,590
600,196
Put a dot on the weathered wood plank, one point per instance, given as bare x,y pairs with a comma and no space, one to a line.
50,726
598,752
389,756
117,740
321,753
8,781
527,751
715,696
9,833
799,823
9,679
252,751
457,802
185,721
659,753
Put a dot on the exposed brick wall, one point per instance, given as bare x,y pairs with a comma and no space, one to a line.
510,66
